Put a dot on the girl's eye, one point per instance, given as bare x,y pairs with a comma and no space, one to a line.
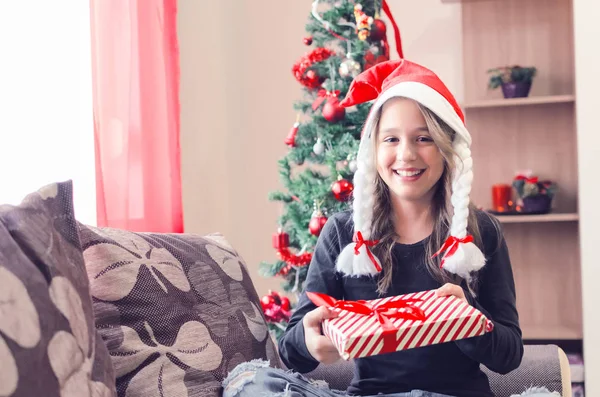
391,139
424,139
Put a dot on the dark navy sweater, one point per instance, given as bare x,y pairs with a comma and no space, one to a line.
451,368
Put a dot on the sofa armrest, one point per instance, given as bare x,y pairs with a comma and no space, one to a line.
565,371
542,365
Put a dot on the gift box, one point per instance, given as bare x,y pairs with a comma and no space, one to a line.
379,326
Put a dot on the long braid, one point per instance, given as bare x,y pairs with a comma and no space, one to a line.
467,257
461,187
365,187
359,262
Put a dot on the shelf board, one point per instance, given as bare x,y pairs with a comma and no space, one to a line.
533,100
550,332
538,218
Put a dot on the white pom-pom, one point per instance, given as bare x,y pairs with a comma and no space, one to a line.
356,265
466,259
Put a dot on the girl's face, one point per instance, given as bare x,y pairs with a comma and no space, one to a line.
408,160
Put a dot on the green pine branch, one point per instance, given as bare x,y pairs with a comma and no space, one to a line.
306,176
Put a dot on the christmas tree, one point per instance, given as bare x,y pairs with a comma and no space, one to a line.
347,37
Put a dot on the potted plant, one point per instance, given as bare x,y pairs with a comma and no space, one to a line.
535,195
514,80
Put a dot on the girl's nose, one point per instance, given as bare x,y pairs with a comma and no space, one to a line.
407,151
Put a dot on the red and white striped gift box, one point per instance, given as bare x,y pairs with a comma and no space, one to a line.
360,335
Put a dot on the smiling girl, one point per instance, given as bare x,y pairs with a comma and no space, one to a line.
412,228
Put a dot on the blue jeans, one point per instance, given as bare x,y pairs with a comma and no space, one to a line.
257,379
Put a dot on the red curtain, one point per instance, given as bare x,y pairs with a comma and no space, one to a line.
135,59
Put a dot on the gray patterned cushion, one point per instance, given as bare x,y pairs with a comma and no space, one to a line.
48,344
177,312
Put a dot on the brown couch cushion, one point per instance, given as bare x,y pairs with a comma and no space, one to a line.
177,312
48,344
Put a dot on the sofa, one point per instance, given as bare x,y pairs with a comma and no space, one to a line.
100,312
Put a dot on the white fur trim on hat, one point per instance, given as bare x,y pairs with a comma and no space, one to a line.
467,257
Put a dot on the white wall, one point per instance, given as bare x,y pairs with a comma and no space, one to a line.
46,122
237,92
431,35
587,64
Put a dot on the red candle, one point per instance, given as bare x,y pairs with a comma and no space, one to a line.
502,197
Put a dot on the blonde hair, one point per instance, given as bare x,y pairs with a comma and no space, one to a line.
382,226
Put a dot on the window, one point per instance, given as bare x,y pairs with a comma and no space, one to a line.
46,117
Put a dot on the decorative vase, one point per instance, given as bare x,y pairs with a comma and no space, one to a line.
516,90
539,204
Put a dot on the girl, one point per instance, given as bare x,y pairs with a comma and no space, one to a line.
411,198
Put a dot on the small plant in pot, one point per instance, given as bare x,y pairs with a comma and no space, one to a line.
514,80
535,195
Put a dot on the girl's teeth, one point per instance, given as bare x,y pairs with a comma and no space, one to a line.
408,173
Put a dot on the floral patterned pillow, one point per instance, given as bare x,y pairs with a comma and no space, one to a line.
48,343
177,312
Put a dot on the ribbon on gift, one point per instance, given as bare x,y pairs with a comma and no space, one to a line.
322,95
360,241
385,312
451,245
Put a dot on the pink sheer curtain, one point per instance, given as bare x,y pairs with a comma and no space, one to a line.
135,59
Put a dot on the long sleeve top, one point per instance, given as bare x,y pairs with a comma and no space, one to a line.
451,368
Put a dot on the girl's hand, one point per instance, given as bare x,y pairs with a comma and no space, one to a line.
318,345
451,289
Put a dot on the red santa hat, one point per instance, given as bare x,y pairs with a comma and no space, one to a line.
401,78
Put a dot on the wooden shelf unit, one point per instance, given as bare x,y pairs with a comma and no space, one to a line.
510,135
536,100
538,218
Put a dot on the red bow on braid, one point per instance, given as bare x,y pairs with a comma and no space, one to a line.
451,245
360,241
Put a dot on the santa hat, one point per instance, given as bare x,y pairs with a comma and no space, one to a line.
401,78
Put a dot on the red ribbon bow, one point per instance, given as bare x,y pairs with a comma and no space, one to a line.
322,95
403,308
451,245
533,179
360,241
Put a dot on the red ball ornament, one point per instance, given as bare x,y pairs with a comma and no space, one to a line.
332,111
342,189
378,30
267,301
316,223
308,40
312,79
285,303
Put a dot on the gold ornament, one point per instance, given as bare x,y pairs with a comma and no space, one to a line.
363,22
349,68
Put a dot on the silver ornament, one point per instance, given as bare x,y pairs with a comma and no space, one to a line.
352,165
374,50
349,68
319,148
